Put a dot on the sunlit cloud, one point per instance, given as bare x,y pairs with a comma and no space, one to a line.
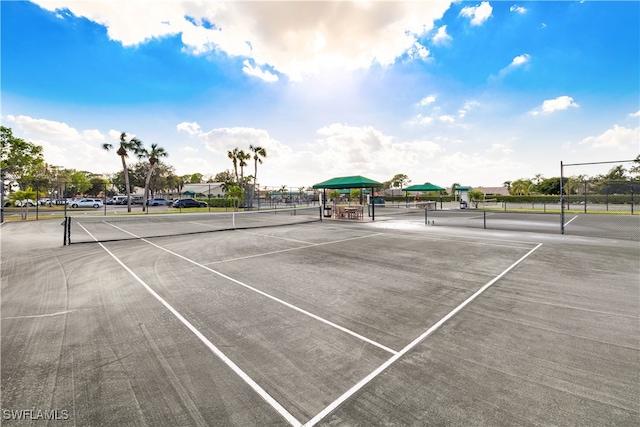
558,104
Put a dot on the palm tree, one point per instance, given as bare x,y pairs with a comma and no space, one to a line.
134,145
283,191
242,162
233,155
258,154
152,156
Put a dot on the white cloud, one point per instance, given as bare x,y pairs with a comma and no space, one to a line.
517,62
518,9
618,137
467,107
192,128
42,128
478,14
65,146
551,105
93,135
447,118
520,60
636,114
250,70
418,51
292,38
429,99
441,36
349,150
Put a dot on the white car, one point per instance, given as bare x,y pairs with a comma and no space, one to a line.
86,203
27,202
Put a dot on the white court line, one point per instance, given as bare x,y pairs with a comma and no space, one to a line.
310,245
569,222
266,396
275,237
271,297
326,411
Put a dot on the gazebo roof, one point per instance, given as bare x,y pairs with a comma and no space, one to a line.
423,187
348,182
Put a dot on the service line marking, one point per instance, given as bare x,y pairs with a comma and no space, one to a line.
569,222
271,297
215,350
326,411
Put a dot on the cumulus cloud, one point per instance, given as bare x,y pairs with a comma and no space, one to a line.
447,118
343,149
636,114
558,104
292,38
191,128
66,146
518,9
478,14
618,137
42,128
441,36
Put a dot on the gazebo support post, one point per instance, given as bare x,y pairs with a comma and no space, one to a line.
373,205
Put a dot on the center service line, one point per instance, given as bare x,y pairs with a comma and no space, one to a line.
278,300
326,411
247,379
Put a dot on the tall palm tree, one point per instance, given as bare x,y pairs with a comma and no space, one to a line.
134,145
152,156
259,153
233,155
242,162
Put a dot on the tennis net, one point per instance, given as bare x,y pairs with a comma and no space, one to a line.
84,229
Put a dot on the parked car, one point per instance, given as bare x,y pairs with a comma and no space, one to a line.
28,202
157,202
189,203
86,203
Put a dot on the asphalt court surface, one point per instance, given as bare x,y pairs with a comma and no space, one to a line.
333,323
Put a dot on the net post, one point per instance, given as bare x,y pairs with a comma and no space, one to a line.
561,198
426,217
64,231
484,219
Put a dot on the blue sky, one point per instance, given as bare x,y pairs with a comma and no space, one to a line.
471,92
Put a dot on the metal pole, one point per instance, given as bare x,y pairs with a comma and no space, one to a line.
484,218
585,196
373,206
561,198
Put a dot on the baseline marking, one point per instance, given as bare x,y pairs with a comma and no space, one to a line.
326,411
271,297
247,379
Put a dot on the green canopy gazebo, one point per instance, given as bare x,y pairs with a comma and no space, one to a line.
347,182
424,188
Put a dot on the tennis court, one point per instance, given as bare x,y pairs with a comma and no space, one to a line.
389,322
